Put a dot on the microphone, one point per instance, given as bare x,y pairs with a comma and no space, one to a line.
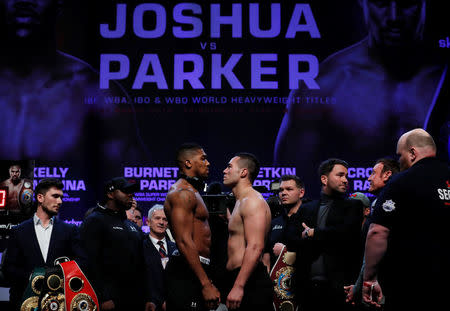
214,188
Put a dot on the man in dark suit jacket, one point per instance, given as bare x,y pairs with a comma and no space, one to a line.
157,251
325,234
38,241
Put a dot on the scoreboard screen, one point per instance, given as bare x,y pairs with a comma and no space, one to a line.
3,194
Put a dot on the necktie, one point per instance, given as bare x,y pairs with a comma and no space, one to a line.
162,249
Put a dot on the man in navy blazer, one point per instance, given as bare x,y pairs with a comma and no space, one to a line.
157,251
326,236
38,241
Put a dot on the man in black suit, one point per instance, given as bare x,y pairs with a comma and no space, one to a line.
325,234
38,241
157,251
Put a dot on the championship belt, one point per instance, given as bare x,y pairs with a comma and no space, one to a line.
26,195
52,294
282,275
79,294
30,299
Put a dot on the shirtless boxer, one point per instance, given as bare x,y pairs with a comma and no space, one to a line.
188,284
20,191
248,286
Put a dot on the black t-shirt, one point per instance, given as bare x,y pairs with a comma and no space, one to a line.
114,248
276,234
415,207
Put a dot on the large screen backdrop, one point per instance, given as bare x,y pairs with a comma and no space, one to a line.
95,89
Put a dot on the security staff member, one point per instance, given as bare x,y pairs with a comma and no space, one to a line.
291,193
382,172
114,248
407,245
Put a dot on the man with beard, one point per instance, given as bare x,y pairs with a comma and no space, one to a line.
189,285
113,245
325,234
400,258
37,242
248,286
15,186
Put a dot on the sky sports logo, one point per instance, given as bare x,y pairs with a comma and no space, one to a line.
444,43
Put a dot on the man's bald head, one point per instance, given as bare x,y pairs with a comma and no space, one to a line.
419,138
414,146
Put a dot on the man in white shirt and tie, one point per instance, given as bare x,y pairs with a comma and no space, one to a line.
38,241
157,251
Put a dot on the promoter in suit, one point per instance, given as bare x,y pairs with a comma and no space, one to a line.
326,236
38,241
157,251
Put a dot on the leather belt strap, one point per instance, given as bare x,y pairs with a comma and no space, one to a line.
79,293
281,275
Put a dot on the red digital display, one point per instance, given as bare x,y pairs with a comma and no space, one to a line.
2,198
